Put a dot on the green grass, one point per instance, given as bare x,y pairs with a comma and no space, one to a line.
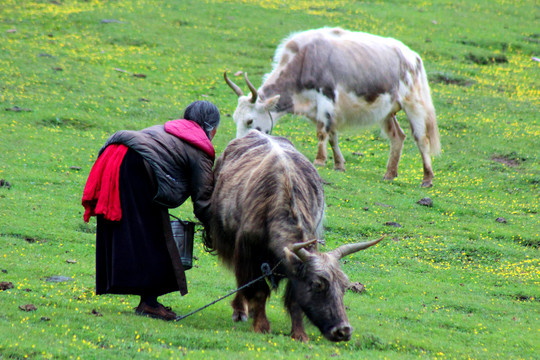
450,283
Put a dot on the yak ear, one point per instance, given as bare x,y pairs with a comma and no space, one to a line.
292,262
271,103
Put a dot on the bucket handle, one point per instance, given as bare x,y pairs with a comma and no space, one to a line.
185,221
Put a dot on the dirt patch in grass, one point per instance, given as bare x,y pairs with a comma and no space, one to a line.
449,79
527,242
66,123
486,59
520,297
28,239
511,160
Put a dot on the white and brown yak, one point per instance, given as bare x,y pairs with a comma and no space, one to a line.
340,79
268,207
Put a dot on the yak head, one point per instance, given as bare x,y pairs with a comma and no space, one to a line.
252,111
317,284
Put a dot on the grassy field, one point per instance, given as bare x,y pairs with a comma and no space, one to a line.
457,280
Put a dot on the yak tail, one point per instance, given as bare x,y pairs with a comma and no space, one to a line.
430,120
208,243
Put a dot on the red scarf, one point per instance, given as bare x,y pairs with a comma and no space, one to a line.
101,195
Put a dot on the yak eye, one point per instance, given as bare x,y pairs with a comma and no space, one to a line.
318,285
249,122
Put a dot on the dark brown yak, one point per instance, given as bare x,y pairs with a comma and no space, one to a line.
268,207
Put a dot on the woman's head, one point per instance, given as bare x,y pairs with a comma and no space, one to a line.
205,114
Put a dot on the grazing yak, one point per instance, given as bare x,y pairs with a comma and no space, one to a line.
268,207
339,79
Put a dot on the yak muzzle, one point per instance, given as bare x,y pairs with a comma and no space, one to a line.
340,332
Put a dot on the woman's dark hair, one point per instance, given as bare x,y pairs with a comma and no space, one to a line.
203,113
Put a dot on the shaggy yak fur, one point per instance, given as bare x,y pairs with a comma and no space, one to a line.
268,207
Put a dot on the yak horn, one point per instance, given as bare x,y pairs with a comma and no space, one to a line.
232,85
352,248
254,93
300,249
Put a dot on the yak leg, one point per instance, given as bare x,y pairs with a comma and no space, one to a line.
322,135
297,323
258,309
240,308
396,135
297,315
423,146
339,160
419,117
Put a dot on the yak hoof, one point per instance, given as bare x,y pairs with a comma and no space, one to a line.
319,162
339,168
300,336
262,327
427,183
389,176
239,316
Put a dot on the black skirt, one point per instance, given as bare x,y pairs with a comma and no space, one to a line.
131,254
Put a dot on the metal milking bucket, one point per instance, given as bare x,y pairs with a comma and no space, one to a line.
183,232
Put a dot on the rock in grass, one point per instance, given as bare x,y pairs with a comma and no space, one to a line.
392,223
112,21
501,220
4,285
28,307
58,278
5,183
384,205
17,109
425,202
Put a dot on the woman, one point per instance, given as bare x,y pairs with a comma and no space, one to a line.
136,178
